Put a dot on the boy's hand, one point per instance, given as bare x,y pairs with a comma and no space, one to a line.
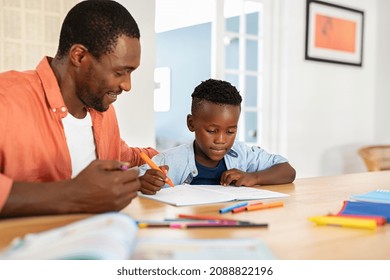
153,180
237,178
282,173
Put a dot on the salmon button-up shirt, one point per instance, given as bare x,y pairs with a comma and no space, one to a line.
33,146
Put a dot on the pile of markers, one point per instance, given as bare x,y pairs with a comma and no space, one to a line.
245,206
185,221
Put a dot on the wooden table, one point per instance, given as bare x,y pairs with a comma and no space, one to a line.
289,235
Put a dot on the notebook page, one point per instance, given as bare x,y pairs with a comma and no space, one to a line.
185,195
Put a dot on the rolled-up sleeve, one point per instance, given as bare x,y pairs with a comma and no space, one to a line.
5,182
5,189
131,154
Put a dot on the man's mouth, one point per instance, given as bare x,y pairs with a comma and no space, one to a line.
113,96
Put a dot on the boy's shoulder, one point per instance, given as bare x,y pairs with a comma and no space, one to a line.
182,148
239,146
173,153
242,149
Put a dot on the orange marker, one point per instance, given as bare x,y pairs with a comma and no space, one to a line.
264,206
244,208
154,166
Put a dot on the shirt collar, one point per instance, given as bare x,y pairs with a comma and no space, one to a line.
51,87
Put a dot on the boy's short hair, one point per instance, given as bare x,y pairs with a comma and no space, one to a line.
215,91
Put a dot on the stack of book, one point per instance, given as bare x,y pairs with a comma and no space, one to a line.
374,203
367,210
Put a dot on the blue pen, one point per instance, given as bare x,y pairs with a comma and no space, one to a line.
230,208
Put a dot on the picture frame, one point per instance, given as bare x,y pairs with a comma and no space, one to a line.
334,33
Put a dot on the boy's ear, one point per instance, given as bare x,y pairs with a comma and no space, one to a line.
190,122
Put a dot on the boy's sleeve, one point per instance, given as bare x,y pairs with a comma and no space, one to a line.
158,159
259,159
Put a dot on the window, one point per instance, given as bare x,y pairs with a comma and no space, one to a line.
223,39
242,63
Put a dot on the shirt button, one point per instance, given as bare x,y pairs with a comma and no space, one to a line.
54,110
63,109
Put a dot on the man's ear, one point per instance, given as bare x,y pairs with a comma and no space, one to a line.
190,122
77,54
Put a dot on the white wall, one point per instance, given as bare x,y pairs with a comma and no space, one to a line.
330,108
382,102
135,109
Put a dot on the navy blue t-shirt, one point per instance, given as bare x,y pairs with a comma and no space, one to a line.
209,175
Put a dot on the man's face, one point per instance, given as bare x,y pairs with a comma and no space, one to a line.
215,128
100,83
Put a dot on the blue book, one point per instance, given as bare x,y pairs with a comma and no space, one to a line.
380,195
365,208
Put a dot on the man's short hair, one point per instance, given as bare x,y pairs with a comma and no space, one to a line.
97,25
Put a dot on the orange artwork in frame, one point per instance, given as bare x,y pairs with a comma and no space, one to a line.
334,33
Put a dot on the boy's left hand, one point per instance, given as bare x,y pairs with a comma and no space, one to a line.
237,177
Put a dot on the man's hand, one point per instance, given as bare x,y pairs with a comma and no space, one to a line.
104,186
101,187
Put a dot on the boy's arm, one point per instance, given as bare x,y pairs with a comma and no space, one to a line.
282,173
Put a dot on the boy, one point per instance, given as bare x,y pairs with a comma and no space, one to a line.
215,157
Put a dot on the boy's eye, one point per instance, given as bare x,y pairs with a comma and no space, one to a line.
211,131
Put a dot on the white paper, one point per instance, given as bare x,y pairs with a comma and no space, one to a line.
185,195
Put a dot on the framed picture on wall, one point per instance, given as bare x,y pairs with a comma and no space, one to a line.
334,33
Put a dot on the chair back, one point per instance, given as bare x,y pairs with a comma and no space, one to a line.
376,158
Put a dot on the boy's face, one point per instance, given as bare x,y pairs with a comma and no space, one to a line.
215,128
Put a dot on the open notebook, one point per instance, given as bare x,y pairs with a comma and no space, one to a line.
185,195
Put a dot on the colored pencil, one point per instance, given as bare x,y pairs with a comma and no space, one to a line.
154,166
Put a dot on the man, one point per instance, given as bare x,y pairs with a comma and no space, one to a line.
60,148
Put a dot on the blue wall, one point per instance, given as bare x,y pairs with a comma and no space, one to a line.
187,52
